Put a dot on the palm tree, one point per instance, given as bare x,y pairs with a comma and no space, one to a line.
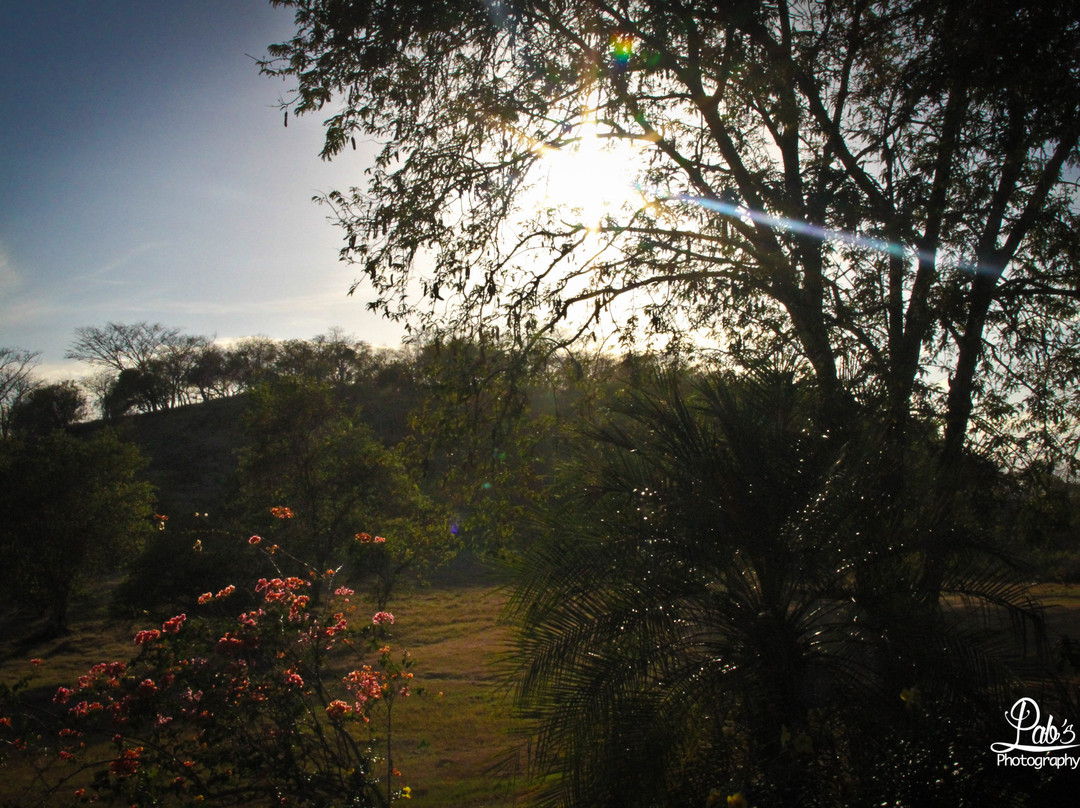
729,600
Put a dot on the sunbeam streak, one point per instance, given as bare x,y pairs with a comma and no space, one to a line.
880,245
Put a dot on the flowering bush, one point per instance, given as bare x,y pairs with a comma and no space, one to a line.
257,709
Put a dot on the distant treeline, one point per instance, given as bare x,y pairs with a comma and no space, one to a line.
149,367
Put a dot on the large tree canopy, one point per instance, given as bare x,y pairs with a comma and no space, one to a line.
886,188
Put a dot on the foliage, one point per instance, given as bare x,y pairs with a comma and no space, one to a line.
48,407
1044,517
308,446
148,367
256,709
886,188
719,606
481,438
186,555
71,509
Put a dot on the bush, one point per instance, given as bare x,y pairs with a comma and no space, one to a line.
255,705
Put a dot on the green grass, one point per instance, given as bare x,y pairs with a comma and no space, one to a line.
454,743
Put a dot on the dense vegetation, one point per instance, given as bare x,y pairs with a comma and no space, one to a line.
779,555
698,571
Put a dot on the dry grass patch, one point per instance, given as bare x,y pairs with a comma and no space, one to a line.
454,742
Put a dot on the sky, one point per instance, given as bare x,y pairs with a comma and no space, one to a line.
146,174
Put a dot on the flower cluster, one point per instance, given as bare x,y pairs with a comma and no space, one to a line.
367,538
127,763
211,704
206,597
281,512
147,636
365,685
173,624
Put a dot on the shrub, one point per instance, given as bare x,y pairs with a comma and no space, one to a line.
260,706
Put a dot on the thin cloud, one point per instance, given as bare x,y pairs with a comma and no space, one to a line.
100,275
9,276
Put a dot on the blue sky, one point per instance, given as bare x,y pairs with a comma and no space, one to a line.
145,174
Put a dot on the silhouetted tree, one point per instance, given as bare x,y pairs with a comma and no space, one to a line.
71,509
16,380
886,188
49,407
152,363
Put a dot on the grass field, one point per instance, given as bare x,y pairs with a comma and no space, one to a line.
454,739
456,742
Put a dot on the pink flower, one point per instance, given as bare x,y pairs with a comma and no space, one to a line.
299,602
383,619
365,685
62,695
229,643
128,763
379,540
338,709
147,635
224,593
84,708
293,679
36,661
172,625
254,540
205,598
341,625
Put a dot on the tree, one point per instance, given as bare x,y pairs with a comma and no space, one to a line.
70,509
49,407
136,389
481,438
121,347
255,359
886,188
157,362
715,608
214,373
332,358
16,381
308,455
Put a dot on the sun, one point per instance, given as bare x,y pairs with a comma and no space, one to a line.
589,178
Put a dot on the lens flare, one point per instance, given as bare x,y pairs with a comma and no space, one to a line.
622,48
736,211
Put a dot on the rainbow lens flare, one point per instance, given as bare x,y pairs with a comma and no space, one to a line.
622,48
